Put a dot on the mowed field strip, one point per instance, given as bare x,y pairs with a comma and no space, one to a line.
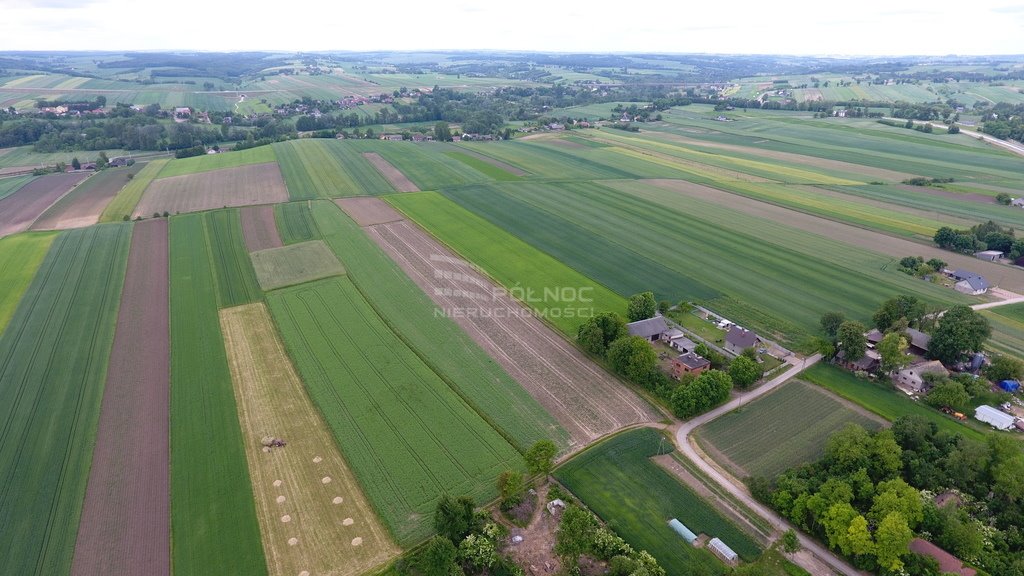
586,401
792,425
295,264
20,209
125,525
83,205
392,174
313,516
238,186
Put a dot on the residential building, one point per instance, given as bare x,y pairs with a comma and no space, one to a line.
688,363
739,339
911,378
651,328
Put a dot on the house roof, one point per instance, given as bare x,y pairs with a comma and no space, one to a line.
673,333
947,562
996,253
741,337
962,274
684,342
874,336
975,282
918,339
931,366
647,328
692,361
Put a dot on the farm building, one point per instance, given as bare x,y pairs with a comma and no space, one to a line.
968,282
1010,385
988,255
917,341
671,334
869,362
392,137
1018,202
995,418
723,551
651,329
683,531
911,378
739,339
688,363
683,344
948,563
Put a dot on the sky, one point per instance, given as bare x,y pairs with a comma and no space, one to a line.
865,27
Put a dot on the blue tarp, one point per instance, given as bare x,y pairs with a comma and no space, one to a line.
682,530
1010,385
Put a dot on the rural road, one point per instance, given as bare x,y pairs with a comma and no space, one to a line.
1011,145
683,443
1006,302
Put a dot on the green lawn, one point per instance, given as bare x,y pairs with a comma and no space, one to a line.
618,481
20,257
207,162
53,365
882,399
213,515
124,203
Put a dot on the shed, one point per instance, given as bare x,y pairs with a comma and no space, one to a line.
989,255
683,531
683,344
651,329
998,420
722,550
1010,385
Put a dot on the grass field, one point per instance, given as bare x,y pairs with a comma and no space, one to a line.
792,424
618,481
295,223
478,379
232,267
321,168
294,264
406,434
53,364
524,270
20,257
128,198
236,186
214,529
1007,329
205,163
494,172
883,399
336,529
424,164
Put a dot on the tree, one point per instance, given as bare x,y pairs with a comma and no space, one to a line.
936,264
511,485
478,551
664,306
858,537
540,457
102,161
960,330
892,349
892,541
453,517
438,558
886,456
836,521
953,129
948,393
641,306
599,331
944,237
76,164
790,542
633,357
852,341
893,309
442,133
744,371
707,390
849,449
1004,368
896,496
575,533
1004,198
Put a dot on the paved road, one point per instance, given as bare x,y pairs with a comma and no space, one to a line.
690,451
1011,145
1006,302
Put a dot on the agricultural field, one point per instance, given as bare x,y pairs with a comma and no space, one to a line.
83,205
792,424
260,228
319,168
437,339
20,209
393,175
123,204
20,257
486,166
232,267
240,186
214,527
424,166
53,364
295,264
313,514
619,482
11,184
25,158
585,400
509,260
1007,329
125,524
295,222
208,162
883,399
382,403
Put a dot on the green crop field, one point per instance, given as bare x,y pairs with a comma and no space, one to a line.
485,168
776,432
124,203
408,437
11,184
619,482
521,268
320,168
425,164
232,267
20,257
53,365
1007,329
294,264
883,399
437,340
206,163
294,222
213,516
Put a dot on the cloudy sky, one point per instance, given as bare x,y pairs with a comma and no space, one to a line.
864,27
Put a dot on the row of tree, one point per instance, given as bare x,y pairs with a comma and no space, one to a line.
985,236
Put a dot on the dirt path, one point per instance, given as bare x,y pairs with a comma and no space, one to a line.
537,548
390,173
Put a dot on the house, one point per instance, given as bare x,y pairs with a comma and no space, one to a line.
973,285
556,126
917,342
651,329
948,564
871,361
912,377
392,137
995,418
739,339
422,138
182,112
988,255
688,363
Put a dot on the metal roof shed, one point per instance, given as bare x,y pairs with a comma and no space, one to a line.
683,531
998,420
722,550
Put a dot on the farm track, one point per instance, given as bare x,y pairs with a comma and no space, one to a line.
584,399
22,208
125,523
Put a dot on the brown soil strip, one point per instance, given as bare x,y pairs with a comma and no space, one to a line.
83,206
493,162
392,174
259,228
239,186
19,210
1008,277
369,211
125,524
586,400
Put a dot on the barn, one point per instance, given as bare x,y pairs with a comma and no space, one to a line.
995,418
